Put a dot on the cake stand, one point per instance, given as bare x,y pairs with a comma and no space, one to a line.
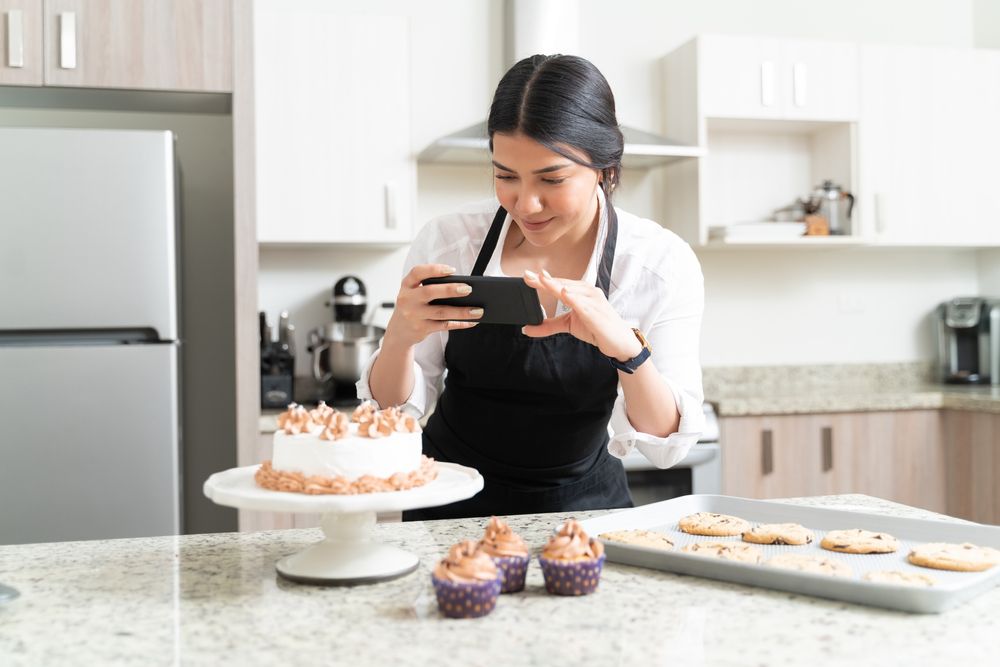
348,553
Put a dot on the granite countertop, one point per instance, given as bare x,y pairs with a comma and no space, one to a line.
214,599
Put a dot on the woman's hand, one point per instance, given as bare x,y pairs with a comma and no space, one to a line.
413,318
591,318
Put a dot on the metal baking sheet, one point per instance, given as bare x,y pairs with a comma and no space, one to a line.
950,589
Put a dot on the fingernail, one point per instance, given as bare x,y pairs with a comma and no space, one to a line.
522,330
546,273
449,269
476,312
530,275
463,289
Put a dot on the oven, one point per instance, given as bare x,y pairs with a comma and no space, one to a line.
698,472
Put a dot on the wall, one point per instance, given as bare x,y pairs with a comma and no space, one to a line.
204,150
896,289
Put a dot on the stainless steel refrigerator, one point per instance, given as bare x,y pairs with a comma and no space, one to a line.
89,335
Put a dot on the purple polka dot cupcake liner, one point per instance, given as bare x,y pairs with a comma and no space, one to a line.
465,599
513,570
571,577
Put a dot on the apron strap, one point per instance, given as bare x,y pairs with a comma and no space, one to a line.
603,268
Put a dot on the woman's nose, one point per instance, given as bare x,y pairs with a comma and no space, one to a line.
528,202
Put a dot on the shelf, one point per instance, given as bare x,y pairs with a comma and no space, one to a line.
828,242
642,149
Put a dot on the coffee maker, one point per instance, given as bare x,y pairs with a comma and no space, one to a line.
968,341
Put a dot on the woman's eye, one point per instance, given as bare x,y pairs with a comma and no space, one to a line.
501,177
553,181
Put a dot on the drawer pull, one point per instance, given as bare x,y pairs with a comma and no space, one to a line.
827,437
767,83
67,40
766,452
15,38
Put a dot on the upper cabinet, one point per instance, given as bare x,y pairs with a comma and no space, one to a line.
752,77
21,42
182,45
334,162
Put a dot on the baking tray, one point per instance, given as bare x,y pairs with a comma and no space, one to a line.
951,588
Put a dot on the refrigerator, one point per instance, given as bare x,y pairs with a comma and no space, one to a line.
90,436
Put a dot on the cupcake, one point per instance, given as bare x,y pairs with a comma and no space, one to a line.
508,551
466,582
571,561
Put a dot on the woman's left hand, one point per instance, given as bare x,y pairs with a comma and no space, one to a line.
591,318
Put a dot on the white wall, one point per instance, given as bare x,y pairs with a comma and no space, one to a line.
457,60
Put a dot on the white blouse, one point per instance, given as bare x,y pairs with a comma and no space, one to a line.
656,286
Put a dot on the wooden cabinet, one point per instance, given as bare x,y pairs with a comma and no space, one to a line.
332,125
927,142
752,77
21,42
894,455
973,466
139,44
183,45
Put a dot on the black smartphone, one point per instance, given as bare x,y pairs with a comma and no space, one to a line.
503,300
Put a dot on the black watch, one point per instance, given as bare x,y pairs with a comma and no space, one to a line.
629,365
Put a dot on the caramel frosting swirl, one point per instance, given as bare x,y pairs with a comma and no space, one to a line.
295,420
500,541
321,413
466,563
363,412
337,426
572,543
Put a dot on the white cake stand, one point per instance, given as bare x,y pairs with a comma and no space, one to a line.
348,553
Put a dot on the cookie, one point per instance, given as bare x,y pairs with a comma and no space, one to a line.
857,541
899,578
809,563
724,550
779,533
640,538
717,525
960,557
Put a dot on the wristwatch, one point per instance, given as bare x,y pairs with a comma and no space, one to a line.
629,365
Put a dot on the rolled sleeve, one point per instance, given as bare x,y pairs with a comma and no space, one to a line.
415,404
663,452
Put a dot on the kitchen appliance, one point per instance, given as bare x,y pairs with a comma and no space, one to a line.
89,335
277,363
834,205
698,472
968,340
350,299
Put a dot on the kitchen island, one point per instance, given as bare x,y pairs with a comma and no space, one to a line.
216,599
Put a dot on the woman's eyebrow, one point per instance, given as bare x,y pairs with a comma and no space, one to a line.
543,170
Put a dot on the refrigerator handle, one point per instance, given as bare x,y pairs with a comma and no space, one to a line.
67,40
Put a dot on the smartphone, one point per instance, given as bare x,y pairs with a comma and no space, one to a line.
503,300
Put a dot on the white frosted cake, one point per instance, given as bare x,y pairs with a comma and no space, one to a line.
324,451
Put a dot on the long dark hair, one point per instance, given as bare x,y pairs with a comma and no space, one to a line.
561,101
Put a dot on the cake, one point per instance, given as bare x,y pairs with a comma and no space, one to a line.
508,551
572,561
323,451
466,582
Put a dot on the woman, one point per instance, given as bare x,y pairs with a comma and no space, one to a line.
530,407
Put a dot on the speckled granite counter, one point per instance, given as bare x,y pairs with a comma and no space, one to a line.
776,390
215,599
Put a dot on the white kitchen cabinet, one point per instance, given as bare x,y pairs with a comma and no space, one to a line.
334,162
928,141
765,78
21,42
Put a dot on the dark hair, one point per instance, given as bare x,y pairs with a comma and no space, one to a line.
561,101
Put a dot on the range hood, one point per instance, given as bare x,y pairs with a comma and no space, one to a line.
550,26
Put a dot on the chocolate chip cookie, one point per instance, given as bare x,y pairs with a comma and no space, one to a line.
899,577
959,557
779,533
716,525
808,563
641,538
858,541
724,550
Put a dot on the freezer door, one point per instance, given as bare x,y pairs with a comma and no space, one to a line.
88,230
90,441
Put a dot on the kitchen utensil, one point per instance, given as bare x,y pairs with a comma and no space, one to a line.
950,589
283,328
340,350
834,204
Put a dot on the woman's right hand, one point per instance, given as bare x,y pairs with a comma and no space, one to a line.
413,318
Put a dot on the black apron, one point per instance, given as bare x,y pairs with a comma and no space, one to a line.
530,414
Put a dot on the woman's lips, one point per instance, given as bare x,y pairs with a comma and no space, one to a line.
536,226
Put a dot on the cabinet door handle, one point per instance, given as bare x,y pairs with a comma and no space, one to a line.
67,40
390,205
799,77
15,38
881,213
767,83
827,438
766,452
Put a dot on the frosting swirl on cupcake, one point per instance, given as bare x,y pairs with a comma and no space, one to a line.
466,563
572,543
500,541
